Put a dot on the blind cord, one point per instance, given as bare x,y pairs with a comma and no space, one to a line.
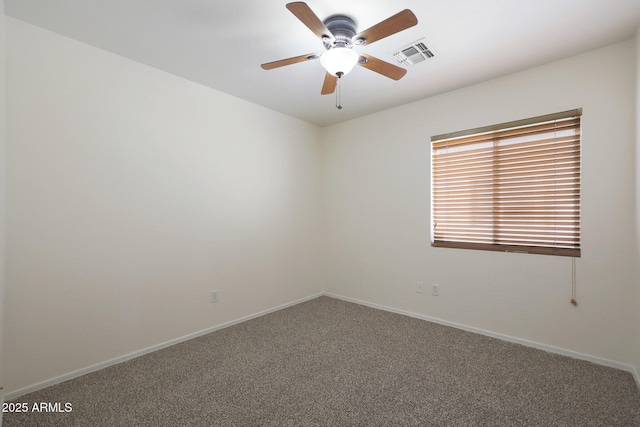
573,282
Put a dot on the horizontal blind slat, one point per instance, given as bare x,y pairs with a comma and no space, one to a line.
509,133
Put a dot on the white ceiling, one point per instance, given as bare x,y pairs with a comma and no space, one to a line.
221,43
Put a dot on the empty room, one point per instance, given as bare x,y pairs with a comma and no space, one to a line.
320,213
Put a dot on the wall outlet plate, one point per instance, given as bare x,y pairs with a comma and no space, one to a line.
435,290
214,296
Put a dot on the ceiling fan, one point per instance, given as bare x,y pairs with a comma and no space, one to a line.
338,34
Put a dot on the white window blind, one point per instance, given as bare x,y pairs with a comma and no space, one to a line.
509,187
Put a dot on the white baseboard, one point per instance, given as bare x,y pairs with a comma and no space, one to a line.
71,375
540,346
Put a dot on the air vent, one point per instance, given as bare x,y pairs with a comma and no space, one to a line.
415,53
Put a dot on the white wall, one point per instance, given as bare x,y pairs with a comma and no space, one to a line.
131,195
637,323
3,215
377,174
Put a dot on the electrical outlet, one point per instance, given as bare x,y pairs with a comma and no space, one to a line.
419,287
214,296
435,290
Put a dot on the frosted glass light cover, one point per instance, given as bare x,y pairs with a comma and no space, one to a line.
339,60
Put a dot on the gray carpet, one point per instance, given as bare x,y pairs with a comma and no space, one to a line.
332,363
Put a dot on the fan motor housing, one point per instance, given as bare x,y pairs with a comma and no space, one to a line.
343,29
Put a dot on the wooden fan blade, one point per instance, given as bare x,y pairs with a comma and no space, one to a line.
310,19
398,22
381,67
289,61
329,86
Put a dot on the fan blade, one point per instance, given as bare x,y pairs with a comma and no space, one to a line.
382,67
329,85
398,22
310,19
289,61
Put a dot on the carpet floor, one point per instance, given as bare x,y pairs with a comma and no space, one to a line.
327,362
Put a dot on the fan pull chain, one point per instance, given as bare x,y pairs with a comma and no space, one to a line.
338,101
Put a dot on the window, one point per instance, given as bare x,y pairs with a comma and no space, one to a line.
509,187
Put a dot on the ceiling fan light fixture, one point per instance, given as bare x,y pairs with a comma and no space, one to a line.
339,60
